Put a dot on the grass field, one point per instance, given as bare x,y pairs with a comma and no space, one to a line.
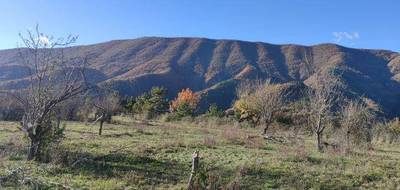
157,155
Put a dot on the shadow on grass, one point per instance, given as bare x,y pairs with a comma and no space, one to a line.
118,135
14,151
81,131
295,178
388,151
123,166
254,177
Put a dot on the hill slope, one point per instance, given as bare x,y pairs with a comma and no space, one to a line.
134,66
157,155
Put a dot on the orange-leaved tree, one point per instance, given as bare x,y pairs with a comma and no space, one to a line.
186,103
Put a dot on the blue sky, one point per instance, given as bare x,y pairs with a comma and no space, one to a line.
354,23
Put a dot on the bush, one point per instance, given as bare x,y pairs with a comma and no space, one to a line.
356,121
151,104
50,141
389,130
245,111
183,110
394,129
213,111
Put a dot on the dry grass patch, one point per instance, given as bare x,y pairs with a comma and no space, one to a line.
209,142
233,135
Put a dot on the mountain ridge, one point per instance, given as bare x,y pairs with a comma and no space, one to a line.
230,39
134,66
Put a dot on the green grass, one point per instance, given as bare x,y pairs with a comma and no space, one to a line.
157,155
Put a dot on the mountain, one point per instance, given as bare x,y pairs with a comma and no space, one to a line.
215,67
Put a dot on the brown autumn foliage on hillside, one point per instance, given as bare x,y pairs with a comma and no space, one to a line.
134,66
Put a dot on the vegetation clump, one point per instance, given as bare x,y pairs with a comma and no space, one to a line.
151,104
214,111
388,131
260,104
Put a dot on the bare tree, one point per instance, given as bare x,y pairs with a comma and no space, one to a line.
106,106
356,122
52,80
322,98
269,100
264,101
247,87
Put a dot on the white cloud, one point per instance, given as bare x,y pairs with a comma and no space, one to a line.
44,40
345,36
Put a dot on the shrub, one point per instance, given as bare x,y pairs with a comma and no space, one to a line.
213,111
389,130
244,111
356,122
207,177
50,141
151,104
394,129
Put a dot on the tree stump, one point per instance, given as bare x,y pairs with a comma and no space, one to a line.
195,167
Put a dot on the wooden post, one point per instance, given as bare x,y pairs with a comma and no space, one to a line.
195,167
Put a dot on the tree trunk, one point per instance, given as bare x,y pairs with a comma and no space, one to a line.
33,150
58,121
266,126
318,132
319,142
101,127
34,146
348,141
369,137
